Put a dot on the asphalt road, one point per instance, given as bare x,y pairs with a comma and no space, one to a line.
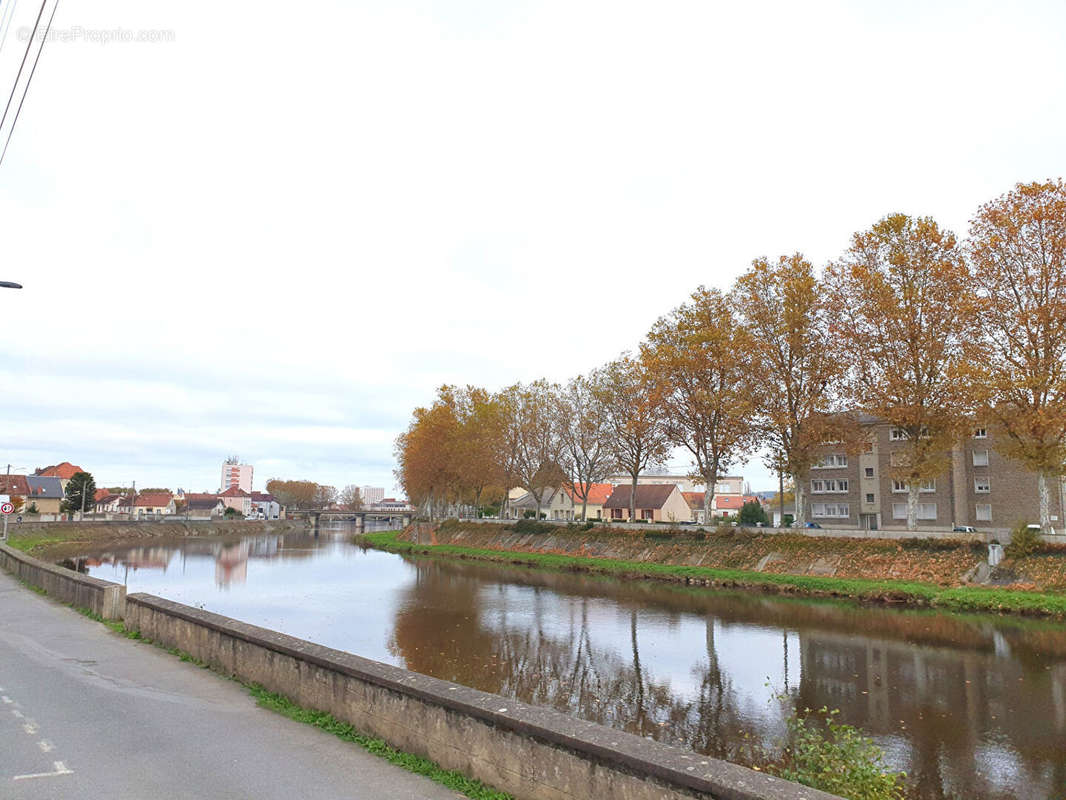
87,713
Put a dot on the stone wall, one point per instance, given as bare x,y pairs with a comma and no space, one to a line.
101,597
532,752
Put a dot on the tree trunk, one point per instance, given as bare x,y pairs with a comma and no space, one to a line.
633,499
913,487
1045,502
800,517
708,499
781,498
585,508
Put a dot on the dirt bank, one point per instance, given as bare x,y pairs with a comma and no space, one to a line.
943,573
55,540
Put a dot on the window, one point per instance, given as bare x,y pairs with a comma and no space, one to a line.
870,498
834,510
925,511
899,486
984,512
825,486
982,485
980,433
928,486
869,472
980,458
832,460
897,435
867,447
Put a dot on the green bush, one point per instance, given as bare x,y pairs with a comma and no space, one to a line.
840,759
532,526
1024,541
752,513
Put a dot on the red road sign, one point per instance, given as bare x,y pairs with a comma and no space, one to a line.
7,508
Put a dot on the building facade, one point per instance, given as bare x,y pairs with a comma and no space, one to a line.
979,488
236,476
371,494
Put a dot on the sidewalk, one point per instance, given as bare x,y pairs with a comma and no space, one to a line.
86,713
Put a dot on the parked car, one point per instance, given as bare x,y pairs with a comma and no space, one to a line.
964,529
807,525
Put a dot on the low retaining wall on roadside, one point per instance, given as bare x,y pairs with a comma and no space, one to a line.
101,597
532,752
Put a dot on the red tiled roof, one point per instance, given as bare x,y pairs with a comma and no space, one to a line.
153,499
200,496
64,471
14,484
101,494
649,495
732,502
694,499
598,493
233,491
261,497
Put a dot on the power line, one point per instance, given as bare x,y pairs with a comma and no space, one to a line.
22,66
29,79
5,24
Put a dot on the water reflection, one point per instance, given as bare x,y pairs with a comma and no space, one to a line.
970,707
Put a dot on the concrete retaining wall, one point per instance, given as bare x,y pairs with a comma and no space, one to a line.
101,597
534,753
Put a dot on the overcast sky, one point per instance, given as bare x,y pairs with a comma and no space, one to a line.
277,233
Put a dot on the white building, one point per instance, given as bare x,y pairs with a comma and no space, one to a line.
236,476
371,495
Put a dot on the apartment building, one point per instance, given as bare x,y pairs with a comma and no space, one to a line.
236,476
980,487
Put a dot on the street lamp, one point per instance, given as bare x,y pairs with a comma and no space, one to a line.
10,285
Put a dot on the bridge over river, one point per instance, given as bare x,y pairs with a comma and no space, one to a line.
401,519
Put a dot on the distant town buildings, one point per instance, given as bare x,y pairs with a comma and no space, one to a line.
371,495
236,476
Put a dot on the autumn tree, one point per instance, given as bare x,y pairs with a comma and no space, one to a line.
585,435
900,308
479,437
697,360
1017,250
529,415
351,498
796,365
325,496
427,466
294,494
634,421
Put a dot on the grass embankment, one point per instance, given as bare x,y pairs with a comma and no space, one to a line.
912,593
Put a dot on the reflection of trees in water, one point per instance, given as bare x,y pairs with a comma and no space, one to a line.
441,630
936,705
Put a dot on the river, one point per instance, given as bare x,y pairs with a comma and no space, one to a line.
969,706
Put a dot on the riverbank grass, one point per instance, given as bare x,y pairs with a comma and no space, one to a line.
907,593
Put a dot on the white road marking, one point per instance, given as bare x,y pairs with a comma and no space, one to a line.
30,727
5,698
46,746
60,769
17,713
